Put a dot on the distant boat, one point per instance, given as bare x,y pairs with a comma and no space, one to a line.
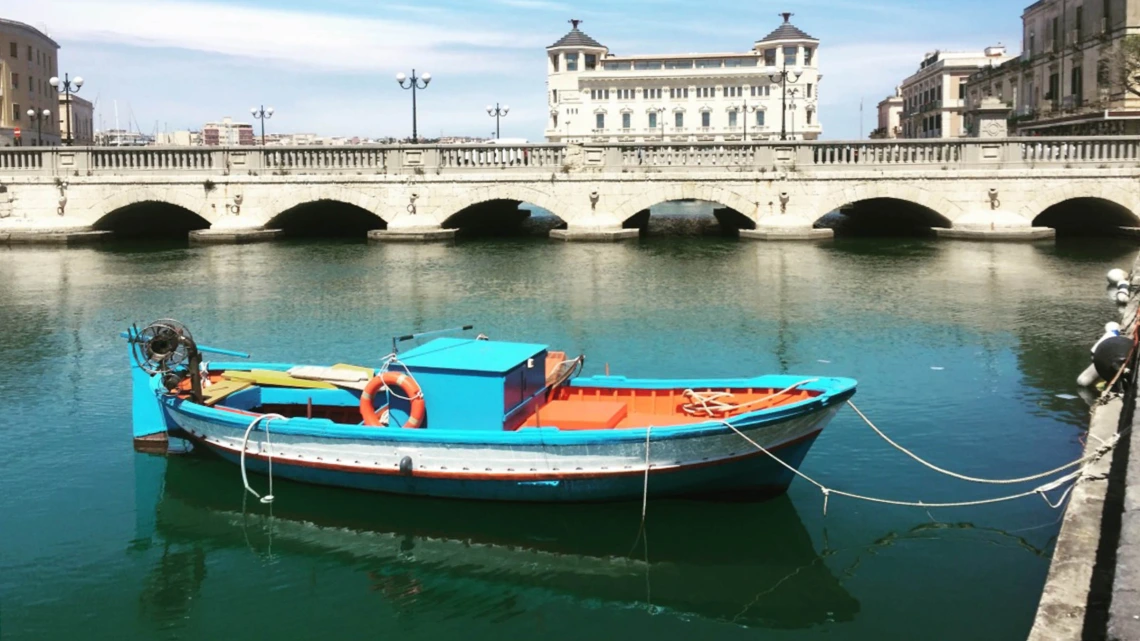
482,419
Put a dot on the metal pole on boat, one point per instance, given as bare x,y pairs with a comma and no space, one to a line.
409,337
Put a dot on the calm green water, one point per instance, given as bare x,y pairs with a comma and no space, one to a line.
961,350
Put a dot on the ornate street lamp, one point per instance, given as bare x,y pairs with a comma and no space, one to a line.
39,118
262,114
413,83
792,103
784,77
744,111
67,87
497,112
661,120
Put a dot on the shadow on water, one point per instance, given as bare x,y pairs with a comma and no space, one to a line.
448,557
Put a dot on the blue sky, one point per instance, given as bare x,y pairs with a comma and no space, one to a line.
328,67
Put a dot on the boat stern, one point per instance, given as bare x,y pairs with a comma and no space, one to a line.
149,420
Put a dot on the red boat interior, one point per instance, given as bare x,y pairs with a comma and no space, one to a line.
562,407
594,408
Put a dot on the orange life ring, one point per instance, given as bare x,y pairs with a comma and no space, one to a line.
406,384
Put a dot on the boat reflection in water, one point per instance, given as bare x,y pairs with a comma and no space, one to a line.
752,565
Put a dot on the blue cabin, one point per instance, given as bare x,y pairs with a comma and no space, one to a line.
477,385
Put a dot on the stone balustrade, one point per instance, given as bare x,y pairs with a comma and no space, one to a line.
397,159
992,188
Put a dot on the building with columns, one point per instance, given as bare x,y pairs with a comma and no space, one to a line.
28,59
597,96
934,97
1069,78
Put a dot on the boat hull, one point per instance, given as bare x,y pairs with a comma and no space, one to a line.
539,466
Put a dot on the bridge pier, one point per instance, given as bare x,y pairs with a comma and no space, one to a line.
233,236
578,233
412,235
995,226
53,236
786,227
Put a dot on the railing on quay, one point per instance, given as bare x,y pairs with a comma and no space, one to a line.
654,156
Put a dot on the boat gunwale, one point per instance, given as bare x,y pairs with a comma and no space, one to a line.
832,390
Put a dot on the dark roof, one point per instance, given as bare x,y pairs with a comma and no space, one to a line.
787,31
576,38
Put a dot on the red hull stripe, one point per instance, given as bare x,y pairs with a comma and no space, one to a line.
472,475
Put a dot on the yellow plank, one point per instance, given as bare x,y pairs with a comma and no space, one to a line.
272,378
221,389
355,368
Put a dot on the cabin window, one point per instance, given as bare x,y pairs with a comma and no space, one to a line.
706,119
554,62
679,119
571,62
591,62
600,121
652,120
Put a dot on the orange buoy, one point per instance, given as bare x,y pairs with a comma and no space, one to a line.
406,384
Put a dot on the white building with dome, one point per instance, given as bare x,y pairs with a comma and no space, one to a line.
597,96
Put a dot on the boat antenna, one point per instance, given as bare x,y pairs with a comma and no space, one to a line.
409,337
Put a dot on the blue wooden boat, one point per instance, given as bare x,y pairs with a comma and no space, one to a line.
480,419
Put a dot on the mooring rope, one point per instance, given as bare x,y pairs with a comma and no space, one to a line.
268,498
645,488
710,403
827,492
1104,447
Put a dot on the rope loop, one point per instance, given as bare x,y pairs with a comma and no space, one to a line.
268,498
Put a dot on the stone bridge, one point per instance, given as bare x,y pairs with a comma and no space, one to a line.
1017,188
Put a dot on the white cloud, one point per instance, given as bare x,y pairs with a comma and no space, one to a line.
293,38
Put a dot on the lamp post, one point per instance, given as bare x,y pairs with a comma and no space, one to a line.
661,121
784,77
413,83
497,112
67,86
39,118
745,110
262,114
792,103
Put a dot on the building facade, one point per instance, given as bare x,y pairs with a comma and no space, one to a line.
934,97
81,129
1069,79
890,117
28,59
182,138
227,133
594,95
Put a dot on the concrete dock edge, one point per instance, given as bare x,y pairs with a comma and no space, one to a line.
1094,578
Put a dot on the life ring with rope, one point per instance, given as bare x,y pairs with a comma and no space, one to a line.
406,384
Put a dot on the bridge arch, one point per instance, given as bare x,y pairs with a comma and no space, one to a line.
325,217
658,194
123,198
946,211
467,208
151,212
1084,208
